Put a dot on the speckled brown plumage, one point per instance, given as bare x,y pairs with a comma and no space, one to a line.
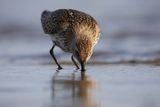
72,31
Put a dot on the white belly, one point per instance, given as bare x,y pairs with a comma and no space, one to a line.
60,43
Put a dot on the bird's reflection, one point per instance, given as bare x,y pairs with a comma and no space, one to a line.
73,90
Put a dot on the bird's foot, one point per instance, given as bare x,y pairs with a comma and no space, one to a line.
83,70
59,68
77,68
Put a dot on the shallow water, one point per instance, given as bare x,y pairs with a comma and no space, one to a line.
101,86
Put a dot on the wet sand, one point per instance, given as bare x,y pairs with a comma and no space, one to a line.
112,85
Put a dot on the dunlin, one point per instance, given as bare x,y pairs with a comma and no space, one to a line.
73,31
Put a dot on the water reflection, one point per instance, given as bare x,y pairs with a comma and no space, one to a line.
73,91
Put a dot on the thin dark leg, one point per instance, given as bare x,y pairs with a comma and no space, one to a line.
52,54
74,62
83,67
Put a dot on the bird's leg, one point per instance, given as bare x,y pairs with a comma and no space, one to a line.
83,67
74,62
52,54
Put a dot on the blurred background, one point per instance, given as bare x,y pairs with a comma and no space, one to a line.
130,30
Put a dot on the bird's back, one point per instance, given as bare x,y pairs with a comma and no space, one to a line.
66,24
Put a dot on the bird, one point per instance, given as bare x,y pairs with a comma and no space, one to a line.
72,31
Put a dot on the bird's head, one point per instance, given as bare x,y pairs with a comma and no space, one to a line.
82,49
45,14
46,21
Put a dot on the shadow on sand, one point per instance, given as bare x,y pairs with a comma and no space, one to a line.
74,90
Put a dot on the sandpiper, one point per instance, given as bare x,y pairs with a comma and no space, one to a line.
73,31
